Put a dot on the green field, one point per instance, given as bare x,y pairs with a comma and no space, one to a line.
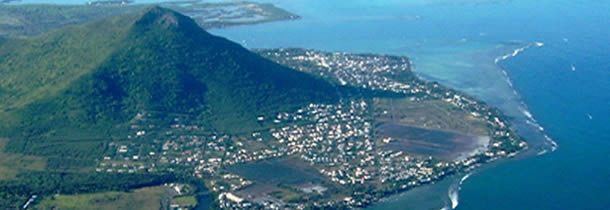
185,201
11,164
145,198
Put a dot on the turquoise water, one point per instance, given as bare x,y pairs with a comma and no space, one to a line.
574,107
564,86
457,43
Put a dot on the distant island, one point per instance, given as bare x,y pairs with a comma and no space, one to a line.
149,106
8,1
33,19
109,2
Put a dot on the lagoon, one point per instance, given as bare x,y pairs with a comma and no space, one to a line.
558,91
457,44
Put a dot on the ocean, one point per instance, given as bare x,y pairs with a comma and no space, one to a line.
545,63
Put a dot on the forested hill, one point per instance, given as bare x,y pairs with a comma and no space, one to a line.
87,80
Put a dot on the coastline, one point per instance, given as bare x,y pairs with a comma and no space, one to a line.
548,146
524,128
497,121
438,67
531,172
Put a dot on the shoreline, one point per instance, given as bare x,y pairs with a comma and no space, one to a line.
515,53
496,120
530,119
547,146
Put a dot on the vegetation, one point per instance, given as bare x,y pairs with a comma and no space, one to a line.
27,20
185,201
145,198
32,19
13,193
288,195
76,95
11,164
87,84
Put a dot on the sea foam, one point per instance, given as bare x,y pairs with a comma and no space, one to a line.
518,51
552,145
454,193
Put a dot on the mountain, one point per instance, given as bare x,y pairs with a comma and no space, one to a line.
83,81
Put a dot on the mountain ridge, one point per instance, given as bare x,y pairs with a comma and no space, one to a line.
156,60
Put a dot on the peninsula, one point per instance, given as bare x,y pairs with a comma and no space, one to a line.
155,103
23,20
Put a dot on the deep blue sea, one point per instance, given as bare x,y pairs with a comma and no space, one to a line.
545,63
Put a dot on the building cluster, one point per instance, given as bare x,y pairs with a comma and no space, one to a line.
367,71
331,137
338,140
393,74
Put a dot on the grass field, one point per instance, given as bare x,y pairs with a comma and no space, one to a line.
185,201
287,195
11,164
145,199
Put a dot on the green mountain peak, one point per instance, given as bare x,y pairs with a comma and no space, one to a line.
156,16
90,79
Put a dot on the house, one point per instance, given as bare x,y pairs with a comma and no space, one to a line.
234,198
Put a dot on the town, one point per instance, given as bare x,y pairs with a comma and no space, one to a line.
336,146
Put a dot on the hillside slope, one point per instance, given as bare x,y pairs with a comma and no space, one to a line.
86,81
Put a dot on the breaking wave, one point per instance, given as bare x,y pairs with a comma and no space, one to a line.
549,142
518,51
454,193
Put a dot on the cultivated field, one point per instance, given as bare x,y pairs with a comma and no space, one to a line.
11,163
145,199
